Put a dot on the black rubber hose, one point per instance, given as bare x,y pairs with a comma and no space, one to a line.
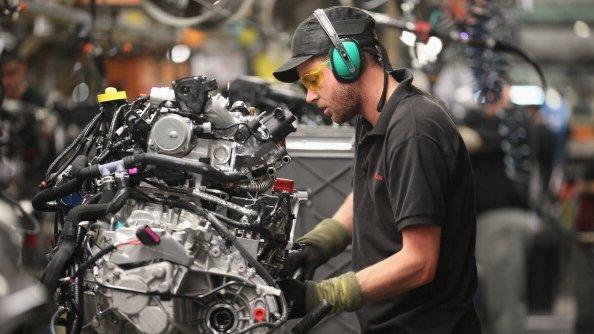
79,307
118,200
162,160
184,164
312,318
81,269
67,242
40,201
77,324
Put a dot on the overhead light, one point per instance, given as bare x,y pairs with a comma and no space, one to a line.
463,94
581,29
427,53
180,53
434,45
526,95
408,38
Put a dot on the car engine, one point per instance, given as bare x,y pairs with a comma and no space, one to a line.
169,217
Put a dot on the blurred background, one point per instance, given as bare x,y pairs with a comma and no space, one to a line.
517,75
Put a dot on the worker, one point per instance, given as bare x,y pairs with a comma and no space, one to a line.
411,216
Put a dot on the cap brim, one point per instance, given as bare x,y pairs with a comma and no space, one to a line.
288,72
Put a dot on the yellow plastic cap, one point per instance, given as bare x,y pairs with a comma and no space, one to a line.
111,94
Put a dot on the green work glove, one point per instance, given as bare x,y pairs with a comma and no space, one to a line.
342,292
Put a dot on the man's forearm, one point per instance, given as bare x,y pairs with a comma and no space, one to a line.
410,268
394,275
344,214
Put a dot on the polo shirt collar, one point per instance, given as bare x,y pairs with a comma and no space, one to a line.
404,77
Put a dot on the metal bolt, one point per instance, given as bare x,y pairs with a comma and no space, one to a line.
251,272
215,251
173,134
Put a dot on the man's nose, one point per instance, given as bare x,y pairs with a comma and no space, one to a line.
311,96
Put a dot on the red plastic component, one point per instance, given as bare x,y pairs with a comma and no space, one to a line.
259,314
423,30
88,48
283,185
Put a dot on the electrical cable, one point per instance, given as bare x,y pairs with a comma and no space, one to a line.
76,141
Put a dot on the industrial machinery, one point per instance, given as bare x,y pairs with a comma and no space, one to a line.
169,218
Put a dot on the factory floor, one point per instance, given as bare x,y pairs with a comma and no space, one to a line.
559,321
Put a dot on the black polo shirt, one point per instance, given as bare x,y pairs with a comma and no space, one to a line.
412,169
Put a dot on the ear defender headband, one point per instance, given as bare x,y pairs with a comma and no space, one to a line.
345,56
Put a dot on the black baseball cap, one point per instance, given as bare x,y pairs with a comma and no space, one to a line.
310,40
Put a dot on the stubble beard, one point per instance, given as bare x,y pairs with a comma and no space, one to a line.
349,102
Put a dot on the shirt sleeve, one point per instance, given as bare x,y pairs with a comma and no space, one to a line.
417,182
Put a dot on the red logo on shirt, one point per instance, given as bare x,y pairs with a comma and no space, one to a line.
378,177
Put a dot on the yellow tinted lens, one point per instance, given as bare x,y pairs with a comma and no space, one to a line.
313,78
312,81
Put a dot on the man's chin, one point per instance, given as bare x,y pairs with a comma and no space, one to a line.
340,118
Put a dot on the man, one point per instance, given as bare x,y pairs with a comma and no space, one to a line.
411,216
14,83
513,156
22,133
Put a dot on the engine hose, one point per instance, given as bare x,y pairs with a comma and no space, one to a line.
255,187
164,161
79,305
77,324
40,201
67,242
81,269
184,164
118,200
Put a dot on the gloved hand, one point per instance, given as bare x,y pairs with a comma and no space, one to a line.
329,238
342,292
294,292
308,259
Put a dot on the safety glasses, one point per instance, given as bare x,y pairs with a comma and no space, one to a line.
313,78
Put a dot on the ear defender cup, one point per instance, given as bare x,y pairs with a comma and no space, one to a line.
339,66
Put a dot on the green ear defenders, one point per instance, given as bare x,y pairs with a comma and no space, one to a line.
345,56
